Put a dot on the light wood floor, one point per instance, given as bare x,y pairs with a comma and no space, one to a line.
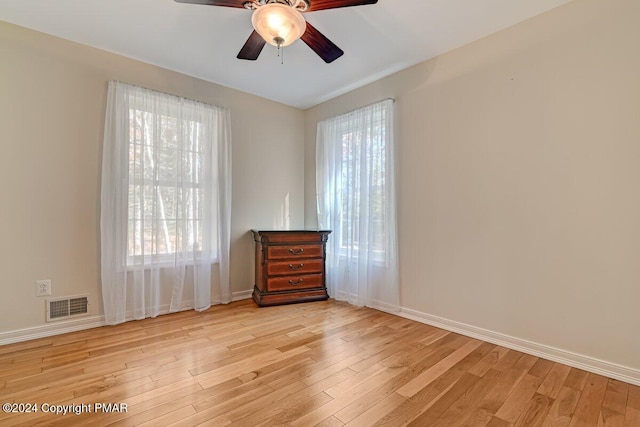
327,364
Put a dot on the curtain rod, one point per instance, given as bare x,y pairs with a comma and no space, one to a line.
367,105
167,93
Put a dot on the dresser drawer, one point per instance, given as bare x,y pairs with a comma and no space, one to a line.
288,283
294,251
280,268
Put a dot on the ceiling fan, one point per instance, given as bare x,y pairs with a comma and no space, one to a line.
280,23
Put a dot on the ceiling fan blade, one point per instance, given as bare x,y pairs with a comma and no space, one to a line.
227,3
321,45
334,4
252,47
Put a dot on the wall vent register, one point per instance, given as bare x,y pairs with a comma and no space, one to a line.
67,307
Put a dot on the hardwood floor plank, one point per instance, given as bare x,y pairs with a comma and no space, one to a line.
152,399
463,407
615,396
153,416
489,361
609,418
170,418
588,408
517,402
14,378
576,379
506,384
376,411
462,386
412,357
563,407
434,336
330,422
383,391
427,377
427,396
330,370
359,378
632,417
293,412
541,368
412,407
508,361
554,380
9,351
247,414
633,398
209,409
241,367
390,347
536,411
303,402
479,417
497,422
348,396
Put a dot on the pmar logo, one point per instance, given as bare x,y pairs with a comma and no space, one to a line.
110,407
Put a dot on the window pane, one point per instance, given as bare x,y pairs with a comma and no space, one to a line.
134,234
165,200
166,164
168,198
363,164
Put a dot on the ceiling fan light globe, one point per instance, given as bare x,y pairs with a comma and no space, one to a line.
277,22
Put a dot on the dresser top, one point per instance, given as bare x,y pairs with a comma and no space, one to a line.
290,236
289,231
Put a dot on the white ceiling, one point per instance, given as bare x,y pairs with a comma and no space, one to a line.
203,41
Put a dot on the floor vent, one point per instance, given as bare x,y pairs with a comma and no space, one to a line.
66,307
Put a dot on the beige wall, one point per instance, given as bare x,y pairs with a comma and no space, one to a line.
52,102
519,180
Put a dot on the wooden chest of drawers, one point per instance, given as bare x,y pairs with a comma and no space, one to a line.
290,266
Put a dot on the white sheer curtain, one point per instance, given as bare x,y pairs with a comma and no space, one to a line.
356,196
165,204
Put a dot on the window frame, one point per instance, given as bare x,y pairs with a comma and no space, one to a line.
144,260
378,256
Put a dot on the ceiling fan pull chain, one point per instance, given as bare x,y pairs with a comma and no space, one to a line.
279,42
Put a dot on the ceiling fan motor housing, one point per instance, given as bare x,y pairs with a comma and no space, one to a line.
300,5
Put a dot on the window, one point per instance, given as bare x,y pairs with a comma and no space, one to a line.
356,200
165,204
363,161
165,186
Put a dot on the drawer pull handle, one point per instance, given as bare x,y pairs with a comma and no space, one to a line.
296,282
295,267
296,251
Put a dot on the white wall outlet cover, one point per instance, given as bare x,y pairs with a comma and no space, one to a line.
43,288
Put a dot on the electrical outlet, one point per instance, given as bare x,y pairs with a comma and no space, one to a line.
43,288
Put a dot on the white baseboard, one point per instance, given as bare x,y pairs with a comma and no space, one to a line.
51,329
375,304
383,306
575,360
80,324
237,296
